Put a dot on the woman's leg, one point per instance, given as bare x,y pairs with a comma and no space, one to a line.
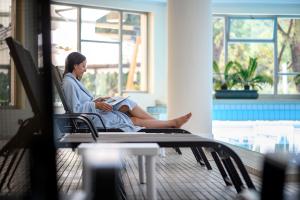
137,112
140,113
154,123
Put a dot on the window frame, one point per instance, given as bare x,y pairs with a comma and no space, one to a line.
276,74
119,42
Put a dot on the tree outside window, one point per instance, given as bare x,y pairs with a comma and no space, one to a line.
114,42
274,40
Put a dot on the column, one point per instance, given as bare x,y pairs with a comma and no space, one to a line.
190,62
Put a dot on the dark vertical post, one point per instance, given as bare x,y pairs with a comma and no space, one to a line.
273,177
43,164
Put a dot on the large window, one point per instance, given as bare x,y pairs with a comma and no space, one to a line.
274,40
114,42
6,84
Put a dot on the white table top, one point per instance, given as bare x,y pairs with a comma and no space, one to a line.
131,148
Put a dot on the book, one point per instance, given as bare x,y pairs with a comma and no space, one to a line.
113,100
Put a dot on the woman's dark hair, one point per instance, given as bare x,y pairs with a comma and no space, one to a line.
74,58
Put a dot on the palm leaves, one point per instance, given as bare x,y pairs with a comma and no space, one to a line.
224,80
248,77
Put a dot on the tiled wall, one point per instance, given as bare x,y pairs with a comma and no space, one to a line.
257,111
159,112
242,111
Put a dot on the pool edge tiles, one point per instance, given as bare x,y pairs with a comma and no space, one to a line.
266,110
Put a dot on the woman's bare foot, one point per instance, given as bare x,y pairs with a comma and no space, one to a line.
178,122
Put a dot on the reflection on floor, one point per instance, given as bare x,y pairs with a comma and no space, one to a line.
260,136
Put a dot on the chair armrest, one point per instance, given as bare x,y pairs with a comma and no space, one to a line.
97,115
81,117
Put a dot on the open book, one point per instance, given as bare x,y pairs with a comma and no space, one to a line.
113,100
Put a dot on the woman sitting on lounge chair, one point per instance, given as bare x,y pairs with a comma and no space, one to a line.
126,115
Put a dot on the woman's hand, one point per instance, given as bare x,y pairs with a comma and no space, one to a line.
103,106
101,99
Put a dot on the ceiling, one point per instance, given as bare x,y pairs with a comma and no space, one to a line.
241,1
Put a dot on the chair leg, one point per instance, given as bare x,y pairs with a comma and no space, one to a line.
204,158
236,180
177,149
221,168
197,156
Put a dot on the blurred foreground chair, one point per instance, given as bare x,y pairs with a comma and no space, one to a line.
273,179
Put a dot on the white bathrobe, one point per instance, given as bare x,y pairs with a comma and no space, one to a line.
80,100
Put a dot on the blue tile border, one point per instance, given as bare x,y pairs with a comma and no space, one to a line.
245,110
256,111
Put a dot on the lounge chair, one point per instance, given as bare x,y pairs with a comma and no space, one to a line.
57,78
71,125
217,149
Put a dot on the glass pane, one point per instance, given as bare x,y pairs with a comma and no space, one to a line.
99,24
218,41
251,28
134,52
4,55
102,74
4,87
288,45
63,33
241,52
288,85
5,75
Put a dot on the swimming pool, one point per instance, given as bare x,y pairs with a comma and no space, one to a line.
260,126
260,136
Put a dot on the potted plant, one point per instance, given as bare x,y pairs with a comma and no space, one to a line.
224,80
248,78
245,77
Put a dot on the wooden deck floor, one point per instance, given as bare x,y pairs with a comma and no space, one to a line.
178,177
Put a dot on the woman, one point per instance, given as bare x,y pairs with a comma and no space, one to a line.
126,115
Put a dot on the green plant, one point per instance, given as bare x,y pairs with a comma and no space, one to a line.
224,80
247,77
297,79
297,82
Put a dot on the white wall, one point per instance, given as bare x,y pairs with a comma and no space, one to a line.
157,43
158,46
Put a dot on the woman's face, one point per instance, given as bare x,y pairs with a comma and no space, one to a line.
79,70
